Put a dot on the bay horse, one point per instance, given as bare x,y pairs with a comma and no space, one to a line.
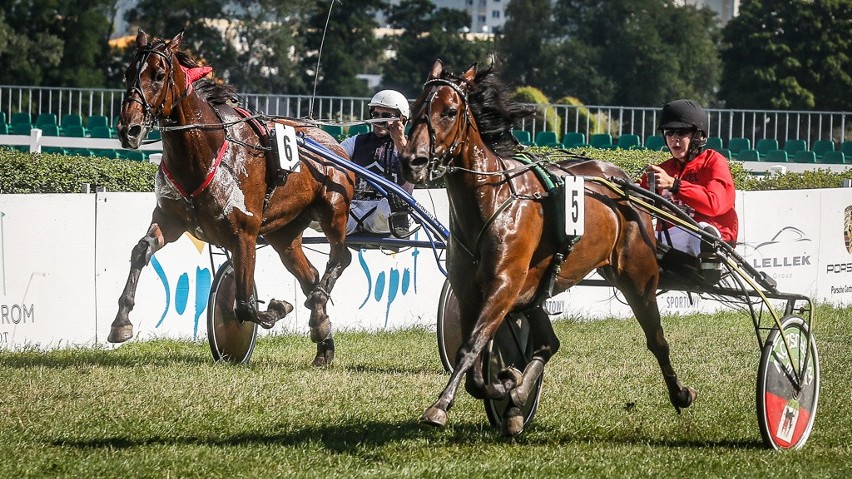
217,182
504,251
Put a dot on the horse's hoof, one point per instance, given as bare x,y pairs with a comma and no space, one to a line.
120,334
321,332
281,308
684,399
325,354
434,416
513,422
511,378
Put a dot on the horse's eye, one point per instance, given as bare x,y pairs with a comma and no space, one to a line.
451,112
159,75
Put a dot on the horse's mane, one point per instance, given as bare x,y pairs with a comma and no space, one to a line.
494,111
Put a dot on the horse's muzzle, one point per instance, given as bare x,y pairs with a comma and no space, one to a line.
131,135
414,168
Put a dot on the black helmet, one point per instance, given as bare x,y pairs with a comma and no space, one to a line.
683,114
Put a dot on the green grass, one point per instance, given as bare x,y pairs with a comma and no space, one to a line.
164,409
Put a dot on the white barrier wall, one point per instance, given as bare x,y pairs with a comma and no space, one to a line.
65,260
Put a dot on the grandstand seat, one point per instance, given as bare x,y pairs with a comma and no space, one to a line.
846,148
738,144
747,154
820,147
97,120
20,128
793,146
775,156
600,140
3,117
547,138
765,145
154,135
628,142
724,152
49,130
804,156
71,119
45,119
833,157
715,143
105,153
334,130
359,129
522,136
574,139
100,132
74,131
4,128
655,142
21,118
133,155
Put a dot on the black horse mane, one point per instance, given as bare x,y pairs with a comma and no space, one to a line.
494,111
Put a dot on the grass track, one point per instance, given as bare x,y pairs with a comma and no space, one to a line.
164,409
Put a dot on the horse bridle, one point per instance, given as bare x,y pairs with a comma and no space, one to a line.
136,94
439,166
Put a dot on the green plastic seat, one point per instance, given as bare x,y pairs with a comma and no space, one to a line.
574,139
655,142
765,145
738,144
628,142
97,120
794,146
49,130
21,118
334,130
804,156
359,129
724,152
715,143
74,131
44,119
600,140
547,138
747,154
833,157
100,132
821,147
775,156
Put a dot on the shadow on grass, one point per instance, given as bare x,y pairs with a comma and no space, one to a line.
348,438
103,358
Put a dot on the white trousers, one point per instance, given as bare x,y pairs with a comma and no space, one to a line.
369,215
683,240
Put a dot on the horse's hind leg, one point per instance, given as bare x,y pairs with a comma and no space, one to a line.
644,305
122,329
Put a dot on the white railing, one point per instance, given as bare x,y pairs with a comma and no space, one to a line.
35,141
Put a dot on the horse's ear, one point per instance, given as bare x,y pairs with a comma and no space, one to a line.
470,74
141,39
437,69
174,44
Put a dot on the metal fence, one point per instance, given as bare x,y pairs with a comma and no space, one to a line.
589,119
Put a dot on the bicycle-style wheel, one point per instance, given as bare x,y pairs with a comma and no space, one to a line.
449,330
510,347
230,339
786,412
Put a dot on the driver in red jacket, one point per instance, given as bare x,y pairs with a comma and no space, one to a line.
697,181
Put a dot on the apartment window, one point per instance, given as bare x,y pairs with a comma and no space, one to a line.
495,13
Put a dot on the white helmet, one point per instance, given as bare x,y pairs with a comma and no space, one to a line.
391,99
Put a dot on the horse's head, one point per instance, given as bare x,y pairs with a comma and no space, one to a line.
152,87
440,121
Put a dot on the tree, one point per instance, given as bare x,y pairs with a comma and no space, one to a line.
349,48
53,42
624,52
788,55
428,33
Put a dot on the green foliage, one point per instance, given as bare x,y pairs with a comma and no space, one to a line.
621,52
548,117
428,34
49,173
788,55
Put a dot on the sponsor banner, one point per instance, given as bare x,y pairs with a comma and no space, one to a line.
47,290
834,265
780,234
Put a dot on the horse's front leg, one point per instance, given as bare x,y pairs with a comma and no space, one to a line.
122,329
244,257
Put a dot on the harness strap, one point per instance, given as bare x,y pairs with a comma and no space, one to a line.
210,174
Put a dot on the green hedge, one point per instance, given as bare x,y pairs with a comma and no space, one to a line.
50,173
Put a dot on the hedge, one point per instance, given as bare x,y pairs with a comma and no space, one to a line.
52,173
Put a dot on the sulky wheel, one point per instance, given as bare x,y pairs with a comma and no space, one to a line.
230,340
787,401
449,330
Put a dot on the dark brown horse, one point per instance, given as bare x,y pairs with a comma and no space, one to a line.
503,251
217,182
